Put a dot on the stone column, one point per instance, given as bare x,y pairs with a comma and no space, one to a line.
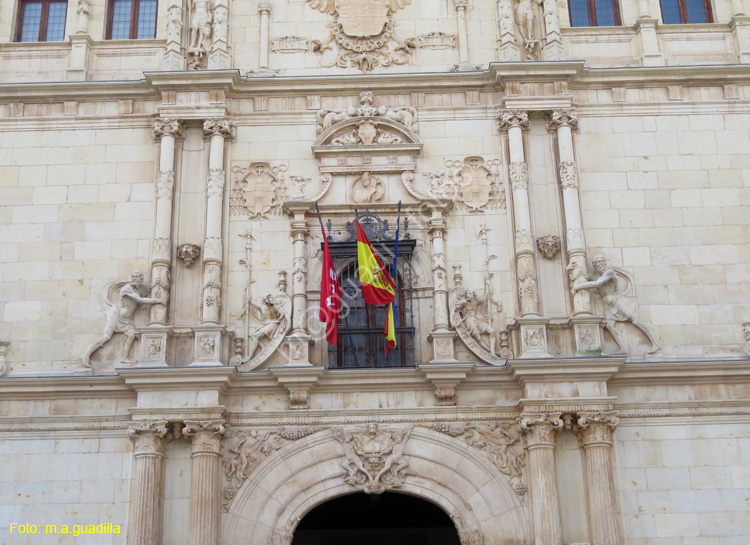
299,341
587,334
595,432
205,480
463,45
264,8
533,328
166,131
541,430
442,337
149,443
216,130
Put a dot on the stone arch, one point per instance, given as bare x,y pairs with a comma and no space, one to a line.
308,472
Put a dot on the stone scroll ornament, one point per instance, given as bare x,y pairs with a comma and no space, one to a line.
363,31
375,459
273,321
369,129
616,288
502,442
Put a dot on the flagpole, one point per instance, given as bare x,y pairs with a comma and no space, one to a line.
394,273
367,313
346,321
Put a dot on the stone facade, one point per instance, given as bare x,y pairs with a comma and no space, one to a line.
579,280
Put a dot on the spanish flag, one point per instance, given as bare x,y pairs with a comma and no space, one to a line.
378,287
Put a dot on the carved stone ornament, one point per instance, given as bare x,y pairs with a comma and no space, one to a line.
205,435
501,442
119,313
567,117
548,245
165,184
541,428
367,189
467,535
168,127
290,44
471,316
149,437
188,253
594,428
568,175
403,115
299,184
745,330
374,456
363,31
246,449
3,353
437,40
617,291
258,191
273,321
508,119
519,175
218,125
472,183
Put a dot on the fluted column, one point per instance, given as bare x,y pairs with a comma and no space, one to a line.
264,8
205,480
541,431
149,443
514,121
595,432
217,130
463,45
166,131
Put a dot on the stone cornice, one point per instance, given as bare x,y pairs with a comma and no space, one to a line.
684,372
64,387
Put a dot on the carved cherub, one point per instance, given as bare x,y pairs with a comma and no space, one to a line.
618,305
119,316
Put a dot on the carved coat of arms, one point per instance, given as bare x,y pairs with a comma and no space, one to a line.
258,190
362,29
474,184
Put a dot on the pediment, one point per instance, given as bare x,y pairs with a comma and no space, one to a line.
365,133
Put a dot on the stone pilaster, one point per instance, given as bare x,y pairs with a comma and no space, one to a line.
264,9
541,431
463,45
217,131
166,131
205,480
442,337
219,58
149,443
299,341
173,58
595,432
553,48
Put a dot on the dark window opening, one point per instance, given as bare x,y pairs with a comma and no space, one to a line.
677,12
594,13
41,21
131,20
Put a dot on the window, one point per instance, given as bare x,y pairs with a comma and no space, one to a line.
132,20
41,21
594,13
361,338
676,12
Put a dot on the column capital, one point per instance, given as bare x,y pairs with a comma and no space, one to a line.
460,4
165,126
564,117
264,6
205,435
511,118
541,428
596,428
220,126
149,437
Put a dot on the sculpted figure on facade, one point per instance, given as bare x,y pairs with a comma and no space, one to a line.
200,34
174,24
619,303
274,320
119,315
3,353
404,115
374,456
527,20
363,31
746,330
471,315
83,10
368,189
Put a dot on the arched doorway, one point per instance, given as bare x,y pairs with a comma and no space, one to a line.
376,519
